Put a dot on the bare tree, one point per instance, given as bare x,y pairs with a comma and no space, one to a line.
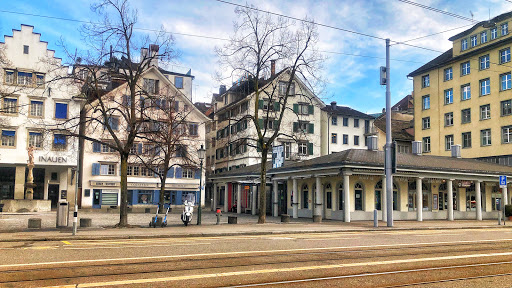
112,83
258,39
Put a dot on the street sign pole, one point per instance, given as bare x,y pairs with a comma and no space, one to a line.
388,155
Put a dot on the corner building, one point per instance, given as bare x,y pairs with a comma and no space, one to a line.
464,96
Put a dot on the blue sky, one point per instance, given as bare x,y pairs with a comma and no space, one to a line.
351,80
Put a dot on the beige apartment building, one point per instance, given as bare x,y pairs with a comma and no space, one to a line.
464,96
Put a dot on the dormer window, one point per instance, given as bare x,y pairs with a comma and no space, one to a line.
464,44
483,37
474,41
178,82
504,29
494,33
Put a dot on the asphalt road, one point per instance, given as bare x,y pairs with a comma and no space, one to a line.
426,258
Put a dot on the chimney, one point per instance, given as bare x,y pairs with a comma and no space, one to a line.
416,147
333,105
383,110
372,143
222,89
153,52
456,151
272,68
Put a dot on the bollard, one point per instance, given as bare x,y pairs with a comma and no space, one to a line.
375,218
218,216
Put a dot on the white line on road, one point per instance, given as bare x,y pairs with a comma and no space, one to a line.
133,246
231,253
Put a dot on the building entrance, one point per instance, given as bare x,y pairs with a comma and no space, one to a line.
53,194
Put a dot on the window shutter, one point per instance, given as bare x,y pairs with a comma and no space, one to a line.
197,175
275,124
238,126
296,108
177,105
258,147
260,122
139,148
311,128
260,104
310,148
170,172
157,82
179,172
96,147
311,109
95,169
295,126
61,110
277,106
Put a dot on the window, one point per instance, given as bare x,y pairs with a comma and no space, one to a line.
485,136
506,81
39,79
345,139
466,140
358,193
356,123
244,107
107,149
485,62
506,134
485,112
448,96
474,41
485,87
426,102
305,196
61,111
466,116
282,88
25,49
193,129
334,138
345,121
36,108
150,86
465,92
304,109
448,119
334,120
505,55
226,99
448,142
303,148
448,74
356,140
504,29
9,77
178,82
506,107
59,142
483,37
464,44
8,138
35,139
108,169
494,33
465,68
426,123
24,78
268,123
113,122
287,150
10,105
426,144
188,173
425,81
181,151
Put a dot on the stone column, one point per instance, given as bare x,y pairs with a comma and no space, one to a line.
346,197
275,199
254,199
478,195
226,208
239,199
450,199
19,183
383,200
295,200
419,199
214,201
317,209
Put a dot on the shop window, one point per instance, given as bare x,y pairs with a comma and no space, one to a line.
305,197
145,197
358,191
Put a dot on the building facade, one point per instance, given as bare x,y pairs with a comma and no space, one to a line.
464,96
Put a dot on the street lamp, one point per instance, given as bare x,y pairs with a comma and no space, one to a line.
200,153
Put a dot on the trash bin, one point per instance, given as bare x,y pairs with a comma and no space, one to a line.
63,214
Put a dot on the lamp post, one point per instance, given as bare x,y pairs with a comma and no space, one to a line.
200,153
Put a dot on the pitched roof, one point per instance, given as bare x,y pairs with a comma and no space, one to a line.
398,128
486,24
438,61
346,111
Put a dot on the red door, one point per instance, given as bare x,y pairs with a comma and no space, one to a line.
230,196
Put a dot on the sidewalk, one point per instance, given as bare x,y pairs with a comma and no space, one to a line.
13,226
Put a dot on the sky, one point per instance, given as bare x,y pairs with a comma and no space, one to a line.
350,71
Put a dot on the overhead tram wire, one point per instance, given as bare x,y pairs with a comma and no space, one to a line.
439,11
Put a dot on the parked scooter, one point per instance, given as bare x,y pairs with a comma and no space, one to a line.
164,221
188,209
152,223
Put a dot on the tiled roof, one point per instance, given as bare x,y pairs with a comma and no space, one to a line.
398,128
346,111
487,24
438,61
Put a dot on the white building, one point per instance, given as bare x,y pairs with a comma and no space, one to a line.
344,128
31,108
101,167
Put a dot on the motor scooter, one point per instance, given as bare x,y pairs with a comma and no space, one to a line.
188,209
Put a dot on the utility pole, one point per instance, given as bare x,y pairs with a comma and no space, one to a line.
389,175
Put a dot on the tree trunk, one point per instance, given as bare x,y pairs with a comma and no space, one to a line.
162,196
123,212
263,187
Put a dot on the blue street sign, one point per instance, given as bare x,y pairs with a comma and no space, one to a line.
503,181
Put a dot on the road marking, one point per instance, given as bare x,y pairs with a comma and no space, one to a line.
326,239
245,253
281,270
66,242
40,247
134,246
